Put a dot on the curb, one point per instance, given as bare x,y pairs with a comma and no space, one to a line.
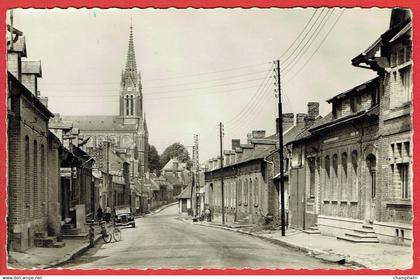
316,253
71,255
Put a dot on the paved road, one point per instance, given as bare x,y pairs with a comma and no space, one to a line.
162,241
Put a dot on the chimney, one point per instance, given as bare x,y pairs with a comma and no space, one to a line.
31,71
313,113
248,138
16,50
258,134
300,120
236,143
288,122
313,110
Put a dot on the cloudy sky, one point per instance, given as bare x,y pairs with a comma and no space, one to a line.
200,67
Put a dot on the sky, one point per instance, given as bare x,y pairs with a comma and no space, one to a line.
200,67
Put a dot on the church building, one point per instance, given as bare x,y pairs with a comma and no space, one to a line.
127,132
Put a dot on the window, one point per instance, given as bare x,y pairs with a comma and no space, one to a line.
27,179
344,176
335,164
337,109
239,192
354,178
131,105
245,191
405,76
127,112
404,180
311,163
375,96
371,164
43,177
327,166
300,155
35,197
256,190
344,164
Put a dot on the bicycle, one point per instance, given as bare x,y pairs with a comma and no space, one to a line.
110,231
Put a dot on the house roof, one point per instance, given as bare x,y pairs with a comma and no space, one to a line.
354,90
169,166
400,25
100,123
186,193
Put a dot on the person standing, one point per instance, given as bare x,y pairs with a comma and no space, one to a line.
107,213
100,213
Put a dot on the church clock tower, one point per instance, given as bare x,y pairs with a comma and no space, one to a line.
131,97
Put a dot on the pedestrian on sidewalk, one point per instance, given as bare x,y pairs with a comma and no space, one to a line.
107,214
208,215
100,213
91,235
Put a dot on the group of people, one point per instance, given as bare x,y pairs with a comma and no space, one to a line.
100,214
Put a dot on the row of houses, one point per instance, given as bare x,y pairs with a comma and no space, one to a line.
347,174
56,181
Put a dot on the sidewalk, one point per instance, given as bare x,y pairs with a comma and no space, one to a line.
370,255
43,258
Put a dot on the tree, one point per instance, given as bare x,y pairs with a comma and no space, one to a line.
154,160
175,150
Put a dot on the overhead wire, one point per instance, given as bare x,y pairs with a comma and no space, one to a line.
309,42
318,47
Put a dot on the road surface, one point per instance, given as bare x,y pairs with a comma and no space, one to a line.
163,241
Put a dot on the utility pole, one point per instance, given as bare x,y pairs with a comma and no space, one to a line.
108,180
221,171
196,171
282,211
193,183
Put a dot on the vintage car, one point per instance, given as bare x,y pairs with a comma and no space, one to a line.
124,217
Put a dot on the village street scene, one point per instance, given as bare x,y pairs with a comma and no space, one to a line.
226,138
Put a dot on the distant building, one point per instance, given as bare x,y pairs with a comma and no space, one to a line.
251,191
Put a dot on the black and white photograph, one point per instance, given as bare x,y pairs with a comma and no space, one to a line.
225,138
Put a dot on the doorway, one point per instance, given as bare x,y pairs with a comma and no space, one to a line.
370,188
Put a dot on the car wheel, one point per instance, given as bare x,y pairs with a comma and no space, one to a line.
133,225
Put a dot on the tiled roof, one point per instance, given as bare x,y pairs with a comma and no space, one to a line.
31,67
354,89
99,123
304,133
186,193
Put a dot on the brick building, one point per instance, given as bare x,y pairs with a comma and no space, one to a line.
352,168
32,153
251,193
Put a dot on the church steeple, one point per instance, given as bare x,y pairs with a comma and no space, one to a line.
131,55
131,100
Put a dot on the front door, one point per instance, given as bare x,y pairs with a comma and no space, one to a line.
370,188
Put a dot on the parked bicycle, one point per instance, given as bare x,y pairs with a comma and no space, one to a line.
110,231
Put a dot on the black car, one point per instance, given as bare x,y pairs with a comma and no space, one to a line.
124,217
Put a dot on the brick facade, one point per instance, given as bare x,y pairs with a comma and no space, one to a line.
357,161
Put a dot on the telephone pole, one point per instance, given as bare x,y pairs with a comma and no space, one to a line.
280,111
221,171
